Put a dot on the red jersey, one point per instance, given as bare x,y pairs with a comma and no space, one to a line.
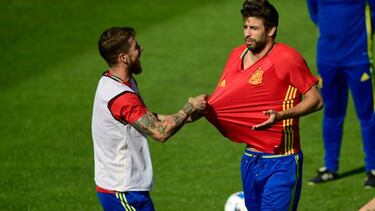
277,81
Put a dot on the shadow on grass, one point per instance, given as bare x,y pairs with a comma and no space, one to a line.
352,172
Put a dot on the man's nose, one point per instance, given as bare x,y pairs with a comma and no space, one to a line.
247,33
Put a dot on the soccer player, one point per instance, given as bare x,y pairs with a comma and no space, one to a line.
344,60
121,122
258,101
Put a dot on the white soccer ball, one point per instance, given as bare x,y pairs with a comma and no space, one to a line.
235,202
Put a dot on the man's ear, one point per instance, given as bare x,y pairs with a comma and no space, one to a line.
272,31
124,58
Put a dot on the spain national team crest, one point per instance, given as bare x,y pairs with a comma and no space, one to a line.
256,77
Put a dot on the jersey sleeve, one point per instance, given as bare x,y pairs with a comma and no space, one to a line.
127,107
372,10
293,69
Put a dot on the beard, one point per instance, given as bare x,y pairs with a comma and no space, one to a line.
257,45
136,67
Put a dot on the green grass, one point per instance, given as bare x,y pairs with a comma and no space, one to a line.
49,70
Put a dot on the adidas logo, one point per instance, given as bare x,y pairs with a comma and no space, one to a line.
365,77
222,84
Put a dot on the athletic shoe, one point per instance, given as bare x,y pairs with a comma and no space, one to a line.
370,179
324,175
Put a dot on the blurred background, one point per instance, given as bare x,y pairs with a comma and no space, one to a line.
50,67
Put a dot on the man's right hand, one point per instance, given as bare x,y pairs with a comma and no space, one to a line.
199,102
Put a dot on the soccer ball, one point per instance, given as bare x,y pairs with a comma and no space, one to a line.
235,202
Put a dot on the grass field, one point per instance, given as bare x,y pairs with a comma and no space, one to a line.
49,71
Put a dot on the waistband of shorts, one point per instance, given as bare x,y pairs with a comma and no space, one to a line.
250,153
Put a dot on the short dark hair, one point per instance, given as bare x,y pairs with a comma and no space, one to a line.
261,9
114,41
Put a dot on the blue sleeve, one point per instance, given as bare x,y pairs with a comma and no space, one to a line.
372,9
312,5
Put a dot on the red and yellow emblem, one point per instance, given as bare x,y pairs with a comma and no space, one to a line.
256,77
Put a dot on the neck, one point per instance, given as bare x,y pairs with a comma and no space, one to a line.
120,72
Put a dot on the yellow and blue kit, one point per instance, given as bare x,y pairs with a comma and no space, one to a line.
344,60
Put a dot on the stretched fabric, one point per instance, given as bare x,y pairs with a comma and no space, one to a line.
275,82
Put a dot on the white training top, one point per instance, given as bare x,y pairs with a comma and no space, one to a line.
121,153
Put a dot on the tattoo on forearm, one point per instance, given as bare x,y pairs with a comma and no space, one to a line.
148,120
165,125
177,119
146,123
162,129
161,117
137,125
188,108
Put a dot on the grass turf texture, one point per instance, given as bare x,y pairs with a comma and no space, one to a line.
49,70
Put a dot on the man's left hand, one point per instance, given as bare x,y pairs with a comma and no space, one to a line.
274,116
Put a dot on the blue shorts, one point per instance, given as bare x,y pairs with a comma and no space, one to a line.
271,182
126,201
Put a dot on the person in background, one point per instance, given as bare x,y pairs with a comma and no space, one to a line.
345,62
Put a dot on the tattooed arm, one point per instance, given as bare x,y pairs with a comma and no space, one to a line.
162,127
194,116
